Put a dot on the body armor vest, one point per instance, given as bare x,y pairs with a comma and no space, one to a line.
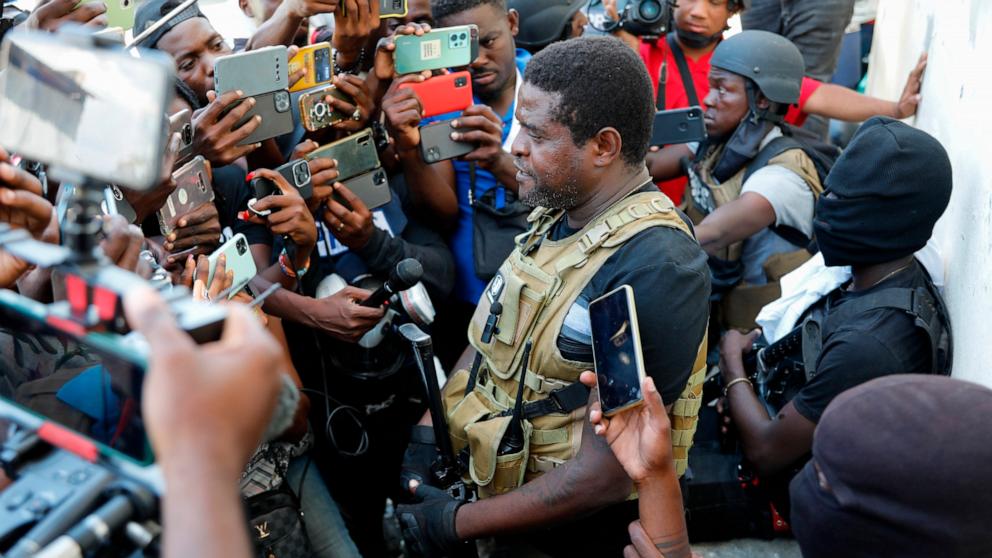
741,305
536,286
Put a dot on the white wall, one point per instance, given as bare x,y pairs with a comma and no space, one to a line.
957,110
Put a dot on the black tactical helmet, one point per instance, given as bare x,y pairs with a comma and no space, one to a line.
542,21
770,60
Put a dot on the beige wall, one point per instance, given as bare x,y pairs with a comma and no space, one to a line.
957,109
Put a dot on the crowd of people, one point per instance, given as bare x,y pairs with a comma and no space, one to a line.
794,337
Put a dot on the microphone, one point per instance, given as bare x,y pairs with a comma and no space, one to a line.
406,274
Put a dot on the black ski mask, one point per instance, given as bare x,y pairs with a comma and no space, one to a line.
883,195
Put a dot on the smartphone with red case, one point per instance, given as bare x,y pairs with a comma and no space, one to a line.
443,94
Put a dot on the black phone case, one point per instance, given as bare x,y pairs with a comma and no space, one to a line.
355,154
684,125
276,110
436,144
372,188
297,173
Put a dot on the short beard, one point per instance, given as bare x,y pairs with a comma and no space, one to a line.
541,195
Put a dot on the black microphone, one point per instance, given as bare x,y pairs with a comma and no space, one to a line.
405,275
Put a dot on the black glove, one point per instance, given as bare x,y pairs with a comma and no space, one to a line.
419,457
429,526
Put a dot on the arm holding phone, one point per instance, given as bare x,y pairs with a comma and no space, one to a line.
53,14
281,28
433,185
641,440
480,125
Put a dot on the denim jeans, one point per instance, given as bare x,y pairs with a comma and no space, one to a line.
325,526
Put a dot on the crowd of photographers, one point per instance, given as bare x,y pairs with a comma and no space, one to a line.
777,279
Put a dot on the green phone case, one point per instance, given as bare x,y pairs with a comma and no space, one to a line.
120,13
355,154
448,47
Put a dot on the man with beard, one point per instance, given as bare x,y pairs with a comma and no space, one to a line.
584,111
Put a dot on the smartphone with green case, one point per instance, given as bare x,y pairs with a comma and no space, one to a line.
448,47
120,13
238,258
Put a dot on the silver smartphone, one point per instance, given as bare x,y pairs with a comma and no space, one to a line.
253,72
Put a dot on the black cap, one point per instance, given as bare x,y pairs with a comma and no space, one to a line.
542,21
151,11
900,468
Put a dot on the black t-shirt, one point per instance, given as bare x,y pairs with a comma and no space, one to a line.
874,344
668,273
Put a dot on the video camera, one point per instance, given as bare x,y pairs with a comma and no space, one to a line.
650,19
71,381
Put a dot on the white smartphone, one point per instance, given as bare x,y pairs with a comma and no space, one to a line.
616,350
238,258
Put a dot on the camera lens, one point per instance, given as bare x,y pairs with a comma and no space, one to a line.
302,173
379,178
282,101
463,36
187,134
319,111
461,82
241,245
649,10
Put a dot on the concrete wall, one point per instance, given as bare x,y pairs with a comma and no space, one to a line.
957,110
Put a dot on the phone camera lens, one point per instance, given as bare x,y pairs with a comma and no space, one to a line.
379,179
187,134
242,247
302,173
282,101
463,36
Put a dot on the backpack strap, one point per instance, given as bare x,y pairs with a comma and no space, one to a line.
926,310
683,66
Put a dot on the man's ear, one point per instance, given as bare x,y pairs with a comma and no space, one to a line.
606,147
513,18
762,102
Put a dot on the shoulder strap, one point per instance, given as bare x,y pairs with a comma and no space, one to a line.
687,83
925,309
774,148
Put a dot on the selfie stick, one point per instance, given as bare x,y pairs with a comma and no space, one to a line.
159,24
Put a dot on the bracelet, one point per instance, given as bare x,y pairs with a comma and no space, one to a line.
287,269
355,69
734,382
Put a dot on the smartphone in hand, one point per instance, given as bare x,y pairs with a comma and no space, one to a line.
616,348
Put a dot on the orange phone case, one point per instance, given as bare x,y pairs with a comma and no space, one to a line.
315,59
443,94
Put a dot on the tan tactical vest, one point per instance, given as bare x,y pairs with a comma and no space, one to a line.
740,306
536,286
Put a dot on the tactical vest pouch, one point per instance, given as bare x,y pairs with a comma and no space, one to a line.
462,410
492,473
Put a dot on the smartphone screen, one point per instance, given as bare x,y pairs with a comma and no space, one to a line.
616,348
89,386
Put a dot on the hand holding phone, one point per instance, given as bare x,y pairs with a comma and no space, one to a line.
448,47
675,126
616,348
315,62
285,214
237,258
217,136
443,94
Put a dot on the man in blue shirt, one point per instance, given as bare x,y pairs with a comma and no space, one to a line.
442,189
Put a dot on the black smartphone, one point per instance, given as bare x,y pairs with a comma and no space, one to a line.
684,125
616,349
276,110
372,188
297,173
436,143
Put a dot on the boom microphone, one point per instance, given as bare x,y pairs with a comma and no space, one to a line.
406,274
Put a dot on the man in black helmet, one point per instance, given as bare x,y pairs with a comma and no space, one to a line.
543,22
753,187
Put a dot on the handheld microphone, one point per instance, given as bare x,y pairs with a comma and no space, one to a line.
405,275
